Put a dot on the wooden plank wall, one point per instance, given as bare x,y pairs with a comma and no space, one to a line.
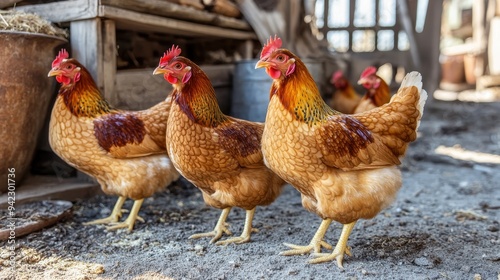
139,89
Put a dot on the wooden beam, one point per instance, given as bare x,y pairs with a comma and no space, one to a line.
72,10
479,36
64,11
35,188
191,3
409,28
222,7
109,61
86,47
142,22
175,11
246,49
428,43
264,23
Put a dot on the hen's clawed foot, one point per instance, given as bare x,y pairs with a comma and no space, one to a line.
132,217
115,215
304,249
315,244
104,221
245,235
337,254
237,240
216,233
220,228
128,223
340,249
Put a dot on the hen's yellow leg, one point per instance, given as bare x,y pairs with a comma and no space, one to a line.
132,217
220,227
247,231
340,249
315,244
115,216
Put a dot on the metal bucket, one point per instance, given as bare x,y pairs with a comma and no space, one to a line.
251,89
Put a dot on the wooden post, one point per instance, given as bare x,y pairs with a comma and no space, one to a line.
479,36
428,45
246,49
86,47
109,61
409,28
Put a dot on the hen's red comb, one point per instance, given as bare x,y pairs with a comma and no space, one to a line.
63,54
370,70
271,46
337,75
169,54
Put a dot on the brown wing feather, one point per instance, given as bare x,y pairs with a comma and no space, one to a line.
242,139
371,139
346,143
395,123
133,134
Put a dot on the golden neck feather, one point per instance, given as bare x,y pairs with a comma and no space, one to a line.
198,101
300,95
83,98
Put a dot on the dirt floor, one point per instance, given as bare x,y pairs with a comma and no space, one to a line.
443,225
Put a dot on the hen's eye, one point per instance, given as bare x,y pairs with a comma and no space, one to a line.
178,66
280,57
68,67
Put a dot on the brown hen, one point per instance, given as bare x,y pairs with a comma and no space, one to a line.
219,154
345,166
377,91
123,150
345,98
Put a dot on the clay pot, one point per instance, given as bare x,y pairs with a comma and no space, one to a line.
25,94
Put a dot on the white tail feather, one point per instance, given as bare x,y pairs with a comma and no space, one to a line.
412,79
415,79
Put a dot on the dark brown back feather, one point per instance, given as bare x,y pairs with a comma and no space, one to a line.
118,130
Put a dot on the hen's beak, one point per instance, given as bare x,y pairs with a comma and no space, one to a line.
159,70
262,63
54,72
362,81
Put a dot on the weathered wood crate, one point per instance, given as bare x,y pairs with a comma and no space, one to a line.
94,23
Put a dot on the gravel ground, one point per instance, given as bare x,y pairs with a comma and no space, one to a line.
443,225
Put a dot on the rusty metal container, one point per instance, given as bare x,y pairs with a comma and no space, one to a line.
25,94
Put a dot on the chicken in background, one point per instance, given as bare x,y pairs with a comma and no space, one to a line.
123,150
345,166
345,98
219,154
377,91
